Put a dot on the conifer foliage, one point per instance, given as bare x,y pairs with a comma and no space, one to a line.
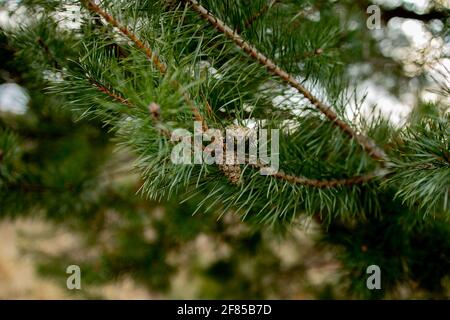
134,72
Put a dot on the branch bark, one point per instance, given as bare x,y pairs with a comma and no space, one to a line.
258,14
366,143
163,69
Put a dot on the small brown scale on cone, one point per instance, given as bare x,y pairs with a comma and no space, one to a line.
233,171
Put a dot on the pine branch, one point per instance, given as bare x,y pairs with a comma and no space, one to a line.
116,97
48,53
367,144
163,70
124,30
110,93
256,16
98,23
333,183
161,66
153,108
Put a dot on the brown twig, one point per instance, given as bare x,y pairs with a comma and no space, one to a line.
125,102
96,84
323,184
110,93
161,66
366,143
163,69
48,53
262,11
124,30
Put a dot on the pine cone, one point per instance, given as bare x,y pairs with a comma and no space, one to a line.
242,132
233,172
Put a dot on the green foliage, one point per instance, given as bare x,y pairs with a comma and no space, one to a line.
404,246
9,156
91,88
423,166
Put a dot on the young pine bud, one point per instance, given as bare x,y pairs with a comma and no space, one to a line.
155,110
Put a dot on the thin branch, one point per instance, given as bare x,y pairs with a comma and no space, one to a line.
258,14
48,53
96,84
333,183
97,21
110,93
100,87
124,30
322,184
125,102
161,66
367,144
163,69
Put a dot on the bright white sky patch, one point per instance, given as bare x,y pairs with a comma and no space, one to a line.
13,98
391,107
